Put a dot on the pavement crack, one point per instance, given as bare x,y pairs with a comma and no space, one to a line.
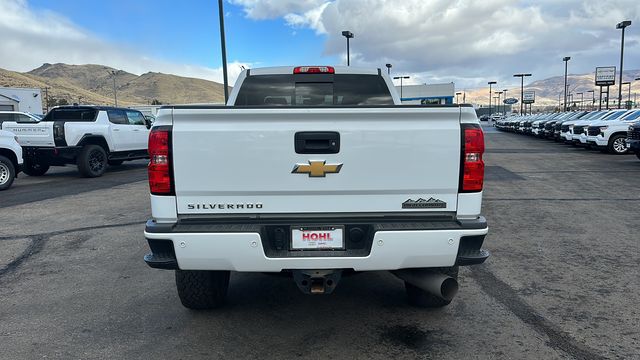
38,241
507,296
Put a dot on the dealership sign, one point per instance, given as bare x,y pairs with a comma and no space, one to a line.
605,75
510,101
528,97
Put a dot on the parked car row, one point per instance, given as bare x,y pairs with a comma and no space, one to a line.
91,137
613,131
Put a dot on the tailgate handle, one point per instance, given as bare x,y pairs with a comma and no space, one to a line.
316,142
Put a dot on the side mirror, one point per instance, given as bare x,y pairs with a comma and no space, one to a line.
147,123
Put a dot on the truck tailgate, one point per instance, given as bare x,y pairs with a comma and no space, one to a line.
32,134
391,159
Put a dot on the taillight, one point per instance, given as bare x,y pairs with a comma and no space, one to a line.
472,171
313,70
160,176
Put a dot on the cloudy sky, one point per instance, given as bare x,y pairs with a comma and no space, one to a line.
468,42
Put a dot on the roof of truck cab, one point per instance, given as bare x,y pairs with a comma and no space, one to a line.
284,70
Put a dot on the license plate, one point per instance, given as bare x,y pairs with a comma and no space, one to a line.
317,238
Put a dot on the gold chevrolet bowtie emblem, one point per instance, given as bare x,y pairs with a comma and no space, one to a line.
316,168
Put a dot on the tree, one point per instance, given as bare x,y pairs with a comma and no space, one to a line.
156,102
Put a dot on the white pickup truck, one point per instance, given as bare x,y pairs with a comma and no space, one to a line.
10,159
315,172
90,137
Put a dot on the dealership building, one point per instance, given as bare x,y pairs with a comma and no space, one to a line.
427,94
21,99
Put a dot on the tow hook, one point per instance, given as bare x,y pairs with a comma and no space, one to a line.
317,282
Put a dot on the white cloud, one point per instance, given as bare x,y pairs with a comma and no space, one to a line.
30,38
468,41
271,9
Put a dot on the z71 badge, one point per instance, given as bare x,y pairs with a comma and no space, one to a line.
424,204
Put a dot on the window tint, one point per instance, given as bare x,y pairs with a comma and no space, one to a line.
614,115
135,118
632,116
117,117
314,90
7,117
71,114
25,118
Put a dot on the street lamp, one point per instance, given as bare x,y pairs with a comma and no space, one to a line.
498,102
115,95
581,99
349,35
627,83
622,26
504,104
566,64
400,77
593,98
521,76
388,68
490,83
223,47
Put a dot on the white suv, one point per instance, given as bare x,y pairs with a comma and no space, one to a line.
91,137
612,135
10,159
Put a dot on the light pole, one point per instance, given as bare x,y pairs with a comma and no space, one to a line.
634,94
388,68
490,83
349,35
223,46
400,77
622,26
581,100
629,97
566,64
503,102
498,102
115,95
521,76
457,100
593,98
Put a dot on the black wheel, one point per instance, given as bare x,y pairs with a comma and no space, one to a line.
7,173
115,162
201,290
34,169
618,144
92,161
420,298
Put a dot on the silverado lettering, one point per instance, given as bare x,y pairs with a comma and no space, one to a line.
224,206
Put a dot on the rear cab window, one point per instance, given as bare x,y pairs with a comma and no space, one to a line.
314,90
72,114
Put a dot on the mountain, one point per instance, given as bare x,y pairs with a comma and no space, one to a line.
93,84
548,90
143,89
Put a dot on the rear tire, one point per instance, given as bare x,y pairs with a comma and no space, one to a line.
420,298
34,169
618,144
202,290
92,161
7,173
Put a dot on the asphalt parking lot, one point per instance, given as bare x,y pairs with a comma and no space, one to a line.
563,280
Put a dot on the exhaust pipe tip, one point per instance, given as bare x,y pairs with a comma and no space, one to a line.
435,283
448,289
